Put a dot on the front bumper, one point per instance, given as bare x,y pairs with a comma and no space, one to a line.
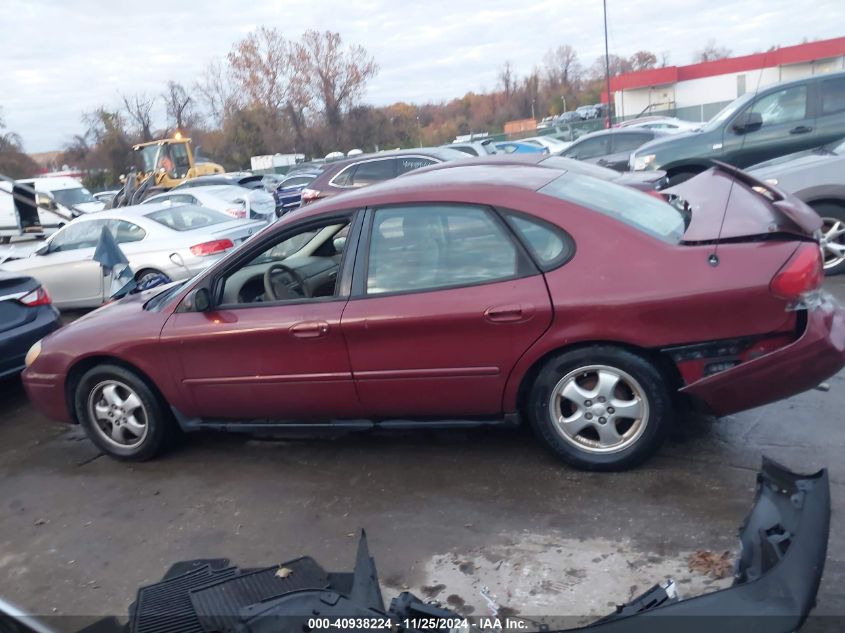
817,355
47,394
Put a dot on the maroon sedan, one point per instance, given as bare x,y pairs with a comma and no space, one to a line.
473,294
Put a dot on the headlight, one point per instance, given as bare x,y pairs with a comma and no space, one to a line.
771,181
32,354
642,162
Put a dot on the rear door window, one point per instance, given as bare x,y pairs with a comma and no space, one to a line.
374,171
642,211
833,95
550,245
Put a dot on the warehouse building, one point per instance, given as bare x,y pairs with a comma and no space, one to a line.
698,91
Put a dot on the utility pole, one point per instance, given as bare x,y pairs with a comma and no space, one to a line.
532,110
419,130
564,102
609,120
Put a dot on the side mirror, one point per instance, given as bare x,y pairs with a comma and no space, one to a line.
748,122
198,300
339,243
43,249
45,202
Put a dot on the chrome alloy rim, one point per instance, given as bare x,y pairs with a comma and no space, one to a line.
832,242
599,409
118,414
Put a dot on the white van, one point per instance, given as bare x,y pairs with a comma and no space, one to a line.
60,199
18,214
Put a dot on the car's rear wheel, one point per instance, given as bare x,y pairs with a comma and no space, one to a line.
600,408
833,236
146,274
121,414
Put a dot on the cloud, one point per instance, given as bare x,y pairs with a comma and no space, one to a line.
63,58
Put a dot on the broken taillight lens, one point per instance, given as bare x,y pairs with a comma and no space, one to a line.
802,273
37,297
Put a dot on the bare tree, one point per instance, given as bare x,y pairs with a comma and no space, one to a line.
507,79
334,77
711,52
179,106
642,60
664,59
260,66
561,67
139,108
215,91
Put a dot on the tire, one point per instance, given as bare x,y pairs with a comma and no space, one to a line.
153,430
640,390
676,178
146,272
831,214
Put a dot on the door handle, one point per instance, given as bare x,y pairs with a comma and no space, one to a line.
310,329
509,313
801,129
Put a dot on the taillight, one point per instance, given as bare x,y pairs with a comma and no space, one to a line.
210,248
37,297
236,212
804,272
309,195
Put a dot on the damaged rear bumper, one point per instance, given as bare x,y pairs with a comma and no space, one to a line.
817,355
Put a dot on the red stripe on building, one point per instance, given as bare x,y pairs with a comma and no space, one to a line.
798,54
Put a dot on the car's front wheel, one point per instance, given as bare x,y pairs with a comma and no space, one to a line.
121,414
600,408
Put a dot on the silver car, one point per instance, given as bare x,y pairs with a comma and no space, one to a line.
177,240
234,200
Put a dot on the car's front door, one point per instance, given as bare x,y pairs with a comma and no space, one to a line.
270,352
788,126
66,267
445,301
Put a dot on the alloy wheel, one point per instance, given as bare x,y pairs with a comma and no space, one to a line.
118,414
599,409
832,242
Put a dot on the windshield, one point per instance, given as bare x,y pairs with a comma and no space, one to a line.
71,197
726,112
188,217
145,158
642,211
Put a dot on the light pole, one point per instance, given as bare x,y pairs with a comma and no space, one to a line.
532,110
609,120
564,102
419,130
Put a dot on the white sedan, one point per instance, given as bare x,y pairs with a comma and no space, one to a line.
177,240
234,200
554,145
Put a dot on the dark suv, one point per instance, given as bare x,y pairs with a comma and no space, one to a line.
778,120
368,169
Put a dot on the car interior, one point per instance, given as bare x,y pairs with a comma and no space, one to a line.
300,266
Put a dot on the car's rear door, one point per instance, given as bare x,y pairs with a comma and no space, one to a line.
788,126
444,303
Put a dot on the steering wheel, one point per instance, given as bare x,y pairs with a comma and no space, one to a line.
283,282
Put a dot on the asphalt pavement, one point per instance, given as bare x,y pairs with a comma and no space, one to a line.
447,513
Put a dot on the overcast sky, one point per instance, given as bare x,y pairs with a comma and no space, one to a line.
59,58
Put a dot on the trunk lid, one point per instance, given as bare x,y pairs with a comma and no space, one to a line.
727,203
13,313
237,230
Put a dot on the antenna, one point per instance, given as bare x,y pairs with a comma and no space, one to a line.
713,258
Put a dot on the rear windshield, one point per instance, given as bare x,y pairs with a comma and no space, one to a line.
186,217
642,211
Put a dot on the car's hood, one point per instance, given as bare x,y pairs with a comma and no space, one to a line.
791,162
727,203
